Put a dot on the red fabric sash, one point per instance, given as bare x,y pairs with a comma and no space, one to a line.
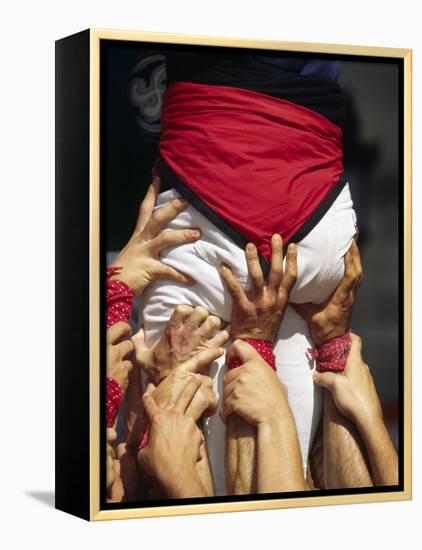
261,163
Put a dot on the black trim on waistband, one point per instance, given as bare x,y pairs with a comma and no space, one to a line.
318,214
174,181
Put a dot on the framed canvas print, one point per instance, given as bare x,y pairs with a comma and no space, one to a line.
233,276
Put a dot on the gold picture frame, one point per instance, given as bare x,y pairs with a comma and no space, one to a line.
92,509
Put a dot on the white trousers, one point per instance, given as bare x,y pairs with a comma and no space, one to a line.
320,268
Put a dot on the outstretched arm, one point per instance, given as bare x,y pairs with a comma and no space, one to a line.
256,316
355,397
254,393
344,459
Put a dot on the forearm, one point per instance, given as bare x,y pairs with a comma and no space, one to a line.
279,462
204,471
381,452
344,460
184,484
240,456
241,437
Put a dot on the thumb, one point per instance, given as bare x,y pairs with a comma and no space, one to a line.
118,332
150,405
139,342
142,351
139,337
202,359
325,380
242,350
355,353
355,346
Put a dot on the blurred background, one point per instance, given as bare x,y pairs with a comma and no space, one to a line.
133,84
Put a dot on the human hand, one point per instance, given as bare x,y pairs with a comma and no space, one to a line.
119,349
332,318
188,332
257,313
174,438
204,401
140,258
353,390
253,390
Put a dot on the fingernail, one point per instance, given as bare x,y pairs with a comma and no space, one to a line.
221,350
223,266
292,247
277,238
250,247
196,233
181,201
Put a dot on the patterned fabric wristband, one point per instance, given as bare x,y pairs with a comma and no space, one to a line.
113,401
263,347
332,355
120,299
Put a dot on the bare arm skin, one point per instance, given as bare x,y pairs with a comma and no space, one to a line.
256,313
203,470
279,462
241,457
354,395
254,393
382,454
344,462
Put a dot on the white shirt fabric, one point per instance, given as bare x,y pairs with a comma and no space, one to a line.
320,268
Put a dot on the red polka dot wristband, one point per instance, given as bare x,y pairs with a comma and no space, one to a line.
119,308
113,401
332,355
119,297
263,347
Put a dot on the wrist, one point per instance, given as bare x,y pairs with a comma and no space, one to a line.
263,347
368,422
125,280
177,483
270,423
135,282
332,355
146,359
322,332
253,334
